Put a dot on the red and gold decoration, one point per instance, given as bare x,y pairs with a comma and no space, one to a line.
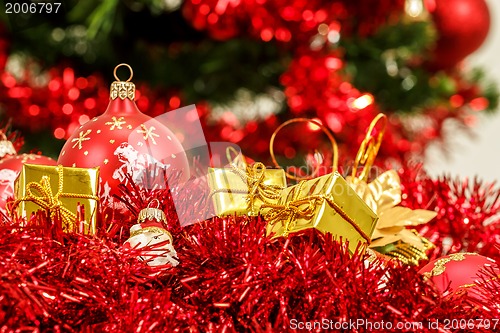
462,26
124,140
67,195
230,275
151,240
272,61
383,195
460,273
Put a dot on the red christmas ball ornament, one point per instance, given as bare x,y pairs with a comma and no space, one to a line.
459,272
10,167
124,141
462,26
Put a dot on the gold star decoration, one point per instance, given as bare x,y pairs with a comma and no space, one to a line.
148,133
81,138
116,123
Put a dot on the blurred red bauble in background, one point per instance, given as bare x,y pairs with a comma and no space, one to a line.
462,26
124,141
10,167
459,272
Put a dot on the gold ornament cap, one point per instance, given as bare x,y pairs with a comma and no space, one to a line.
122,89
151,213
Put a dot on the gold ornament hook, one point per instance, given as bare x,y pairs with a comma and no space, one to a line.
369,148
130,69
323,128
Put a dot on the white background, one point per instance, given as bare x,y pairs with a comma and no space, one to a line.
478,155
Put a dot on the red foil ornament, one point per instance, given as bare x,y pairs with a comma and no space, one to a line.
462,27
459,272
124,141
9,170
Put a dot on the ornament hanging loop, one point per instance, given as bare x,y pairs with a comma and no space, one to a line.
323,128
369,147
125,65
154,201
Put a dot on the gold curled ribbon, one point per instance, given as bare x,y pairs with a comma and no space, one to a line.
50,202
305,208
369,148
254,178
323,128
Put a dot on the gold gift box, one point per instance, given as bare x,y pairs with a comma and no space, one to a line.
230,190
80,183
336,209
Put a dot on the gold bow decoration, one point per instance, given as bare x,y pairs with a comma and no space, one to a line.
254,177
327,204
255,183
295,208
383,195
305,208
41,194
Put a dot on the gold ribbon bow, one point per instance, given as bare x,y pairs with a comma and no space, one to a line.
305,208
253,176
50,202
383,196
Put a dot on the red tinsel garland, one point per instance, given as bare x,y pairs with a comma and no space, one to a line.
233,278
468,217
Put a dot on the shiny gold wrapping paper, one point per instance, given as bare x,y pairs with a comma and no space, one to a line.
77,181
310,206
231,191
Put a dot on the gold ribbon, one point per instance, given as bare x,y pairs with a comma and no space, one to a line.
335,149
369,148
383,196
305,208
254,178
48,201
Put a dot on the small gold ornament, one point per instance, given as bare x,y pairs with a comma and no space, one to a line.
150,235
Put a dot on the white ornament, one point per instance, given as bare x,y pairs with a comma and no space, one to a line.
155,255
